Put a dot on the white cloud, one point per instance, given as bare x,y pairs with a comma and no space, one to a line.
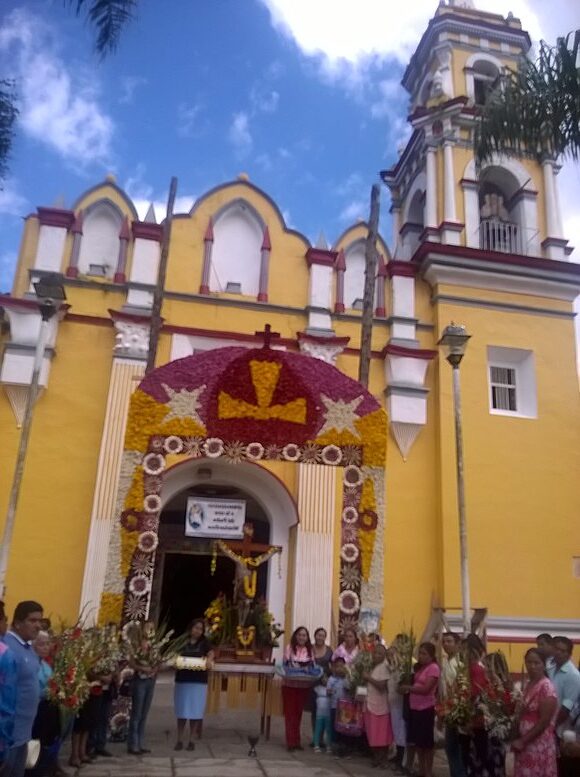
12,203
264,100
143,195
369,28
7,269
188,120
354,211
391,96
239,133
129,85
56,107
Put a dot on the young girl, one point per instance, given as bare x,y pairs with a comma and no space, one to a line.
376,715
322,728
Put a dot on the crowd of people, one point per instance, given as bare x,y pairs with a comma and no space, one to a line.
64,686
391,702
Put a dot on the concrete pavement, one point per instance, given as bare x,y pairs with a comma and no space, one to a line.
223,750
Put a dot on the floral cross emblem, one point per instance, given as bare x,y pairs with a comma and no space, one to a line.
265,377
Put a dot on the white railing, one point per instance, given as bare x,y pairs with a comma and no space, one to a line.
496,235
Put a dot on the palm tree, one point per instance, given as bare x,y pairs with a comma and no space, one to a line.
108,18
535,111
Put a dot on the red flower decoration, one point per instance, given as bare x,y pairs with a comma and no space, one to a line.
368,520
131,520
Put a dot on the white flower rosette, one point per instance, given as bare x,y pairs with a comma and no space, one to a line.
191,664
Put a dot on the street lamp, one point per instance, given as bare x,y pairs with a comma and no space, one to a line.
50,293
454,343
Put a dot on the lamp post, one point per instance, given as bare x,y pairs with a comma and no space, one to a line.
454,343
50,293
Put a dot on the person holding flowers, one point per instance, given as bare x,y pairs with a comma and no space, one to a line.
376,708
46,728
422,698
145,653
535,746
348,648
191,679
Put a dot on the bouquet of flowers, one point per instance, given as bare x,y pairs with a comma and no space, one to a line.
497,704
361,666
457,710
150,647
405,644
69,686
268,631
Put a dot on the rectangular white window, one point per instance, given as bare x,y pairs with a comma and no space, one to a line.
503,388
512,382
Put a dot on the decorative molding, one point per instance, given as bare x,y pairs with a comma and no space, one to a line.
18,397
327,349
147,231
322,256
132,337
402,269
405,435
56,217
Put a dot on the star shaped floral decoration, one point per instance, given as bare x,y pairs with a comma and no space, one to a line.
340,415
183,403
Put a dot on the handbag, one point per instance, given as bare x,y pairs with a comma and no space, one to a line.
349,718
32,753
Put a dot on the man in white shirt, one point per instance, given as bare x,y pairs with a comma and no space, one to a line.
566,678
451,643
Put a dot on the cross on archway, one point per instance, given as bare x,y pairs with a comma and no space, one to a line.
268,335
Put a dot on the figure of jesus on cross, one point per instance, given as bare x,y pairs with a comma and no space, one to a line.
245,582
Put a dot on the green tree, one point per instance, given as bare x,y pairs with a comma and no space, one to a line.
107,18
535,110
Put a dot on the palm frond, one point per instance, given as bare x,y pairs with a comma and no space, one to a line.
8,114
536,109
108,17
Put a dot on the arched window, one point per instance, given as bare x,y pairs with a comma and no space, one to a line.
99,249
482,74
500,227
235,261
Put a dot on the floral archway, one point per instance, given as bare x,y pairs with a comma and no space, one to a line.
243,404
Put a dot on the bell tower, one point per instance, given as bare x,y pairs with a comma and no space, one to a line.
510,206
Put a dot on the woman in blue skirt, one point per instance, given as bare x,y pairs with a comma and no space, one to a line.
191,684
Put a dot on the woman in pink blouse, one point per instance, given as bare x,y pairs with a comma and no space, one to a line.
422,699
298,654
348,648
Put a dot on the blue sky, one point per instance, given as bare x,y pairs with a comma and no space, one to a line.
303,95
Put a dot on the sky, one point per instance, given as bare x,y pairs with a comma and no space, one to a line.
301,95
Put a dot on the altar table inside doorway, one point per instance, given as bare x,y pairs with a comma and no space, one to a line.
235,686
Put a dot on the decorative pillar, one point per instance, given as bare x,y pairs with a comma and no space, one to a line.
340,270
72,270
431,189
380,286
402,308
471,208
264,266
315,547
396,214
145,264
405,373
321,262
554,243
450,229
207,249
129,359
54,226
124,237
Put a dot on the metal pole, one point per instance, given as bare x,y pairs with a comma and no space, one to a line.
465,597
47,311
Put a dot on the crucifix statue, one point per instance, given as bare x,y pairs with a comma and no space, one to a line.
246,579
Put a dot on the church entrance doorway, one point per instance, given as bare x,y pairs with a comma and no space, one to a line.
184,585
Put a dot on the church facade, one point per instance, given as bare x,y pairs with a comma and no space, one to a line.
356,488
